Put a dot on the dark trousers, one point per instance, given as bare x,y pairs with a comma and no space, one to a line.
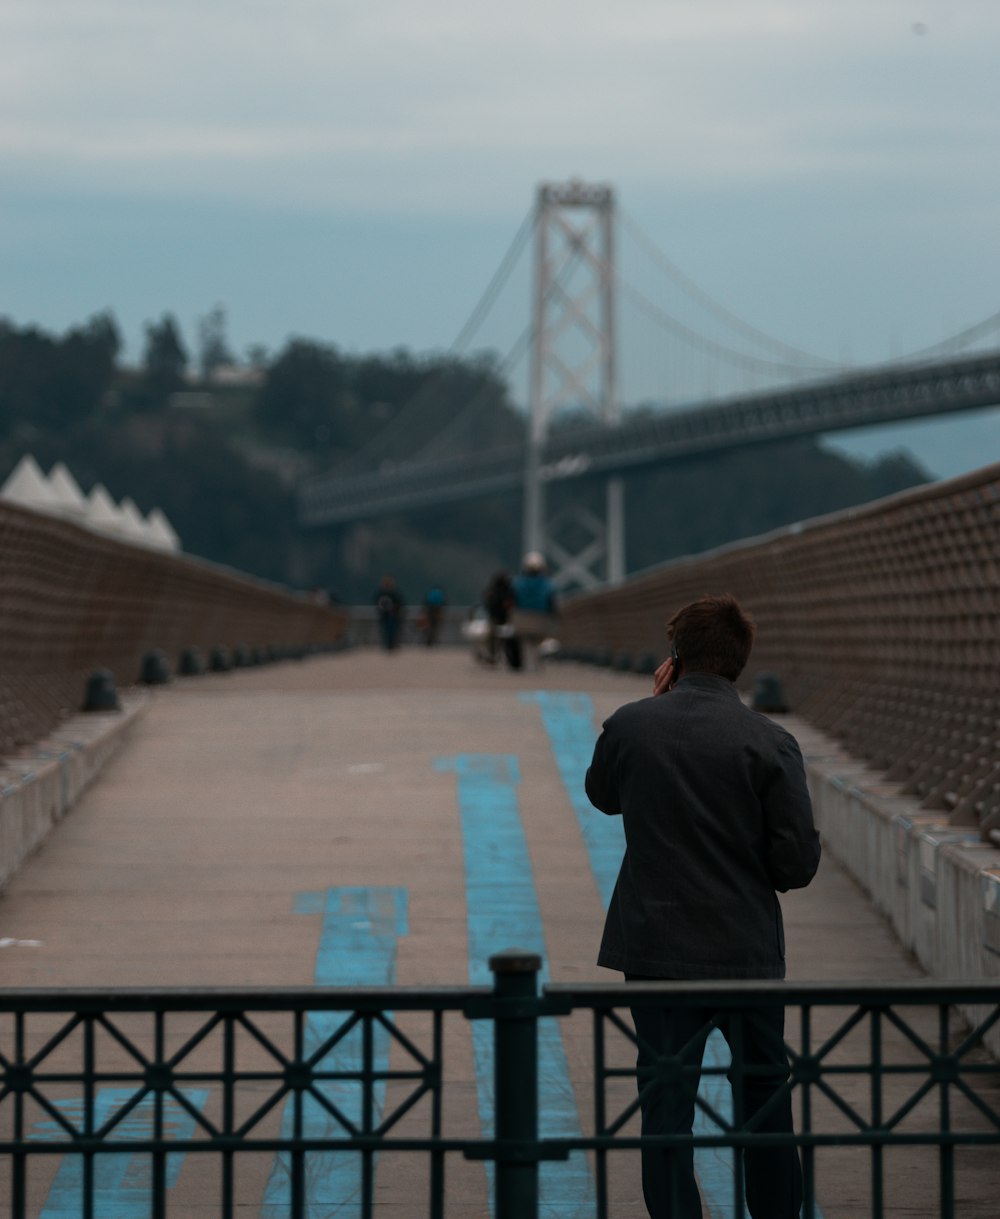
773,1176
388,626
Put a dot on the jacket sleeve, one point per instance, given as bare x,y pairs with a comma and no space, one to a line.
600,784
793,848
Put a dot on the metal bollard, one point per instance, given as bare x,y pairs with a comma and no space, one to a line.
155,669
100,694
515,992
220,660
768,694
191,663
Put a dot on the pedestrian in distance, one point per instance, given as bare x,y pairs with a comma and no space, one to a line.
498,602
534,610
717,822
432,615
389,609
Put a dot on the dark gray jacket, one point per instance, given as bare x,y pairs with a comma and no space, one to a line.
717,817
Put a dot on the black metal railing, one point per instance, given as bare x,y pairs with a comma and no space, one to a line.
273,1102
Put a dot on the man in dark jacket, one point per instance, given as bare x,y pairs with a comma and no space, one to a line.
717,821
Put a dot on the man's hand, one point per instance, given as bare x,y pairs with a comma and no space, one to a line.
663,678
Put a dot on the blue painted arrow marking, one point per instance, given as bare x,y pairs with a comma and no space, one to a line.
122,1182
503,913
357,947
568,720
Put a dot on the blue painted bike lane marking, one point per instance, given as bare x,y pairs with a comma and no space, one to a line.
503,913
122,1182
568,720
357,947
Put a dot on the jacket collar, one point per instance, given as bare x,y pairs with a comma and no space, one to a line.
707,681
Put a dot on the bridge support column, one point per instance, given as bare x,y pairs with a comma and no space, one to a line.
573,369
534,502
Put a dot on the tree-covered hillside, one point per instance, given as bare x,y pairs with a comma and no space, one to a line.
222,455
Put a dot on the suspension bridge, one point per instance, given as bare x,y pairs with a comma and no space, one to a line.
730,385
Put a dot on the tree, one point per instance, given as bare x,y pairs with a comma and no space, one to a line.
302,399
213,349
49,383
166,357
257,355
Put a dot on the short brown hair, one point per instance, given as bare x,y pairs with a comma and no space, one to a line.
712,635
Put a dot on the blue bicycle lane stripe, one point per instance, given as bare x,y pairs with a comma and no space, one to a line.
357,947
568,720
503,912
122,1182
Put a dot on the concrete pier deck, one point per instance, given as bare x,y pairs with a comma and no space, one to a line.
204,855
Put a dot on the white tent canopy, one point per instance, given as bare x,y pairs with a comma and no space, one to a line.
161,532
133,522
102,511
59,495
65,487
28,487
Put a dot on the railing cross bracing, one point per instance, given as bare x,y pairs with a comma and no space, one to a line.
221,1078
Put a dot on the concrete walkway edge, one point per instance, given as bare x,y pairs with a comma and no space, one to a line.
936,884
41,783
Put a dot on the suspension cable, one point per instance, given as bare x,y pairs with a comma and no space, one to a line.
466,415
407,416
497,283
510,360
719,310
741,359
957,341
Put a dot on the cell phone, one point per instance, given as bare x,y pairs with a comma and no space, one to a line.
677,663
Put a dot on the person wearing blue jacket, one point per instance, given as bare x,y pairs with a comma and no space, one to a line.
534,598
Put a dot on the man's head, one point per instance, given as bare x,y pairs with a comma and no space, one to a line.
533,563
712,635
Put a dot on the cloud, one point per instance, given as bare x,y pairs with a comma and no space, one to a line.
331,102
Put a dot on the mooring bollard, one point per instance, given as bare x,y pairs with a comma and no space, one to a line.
220,659
155,669
768,694
191,663
100,694
515,990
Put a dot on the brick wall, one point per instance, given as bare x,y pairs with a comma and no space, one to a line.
883,623
72,601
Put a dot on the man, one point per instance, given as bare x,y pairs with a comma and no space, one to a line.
717,819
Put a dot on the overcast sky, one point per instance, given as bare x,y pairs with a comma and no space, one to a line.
353,170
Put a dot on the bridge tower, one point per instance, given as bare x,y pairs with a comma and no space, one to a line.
573,365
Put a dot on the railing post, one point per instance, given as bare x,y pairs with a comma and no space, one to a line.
515,990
